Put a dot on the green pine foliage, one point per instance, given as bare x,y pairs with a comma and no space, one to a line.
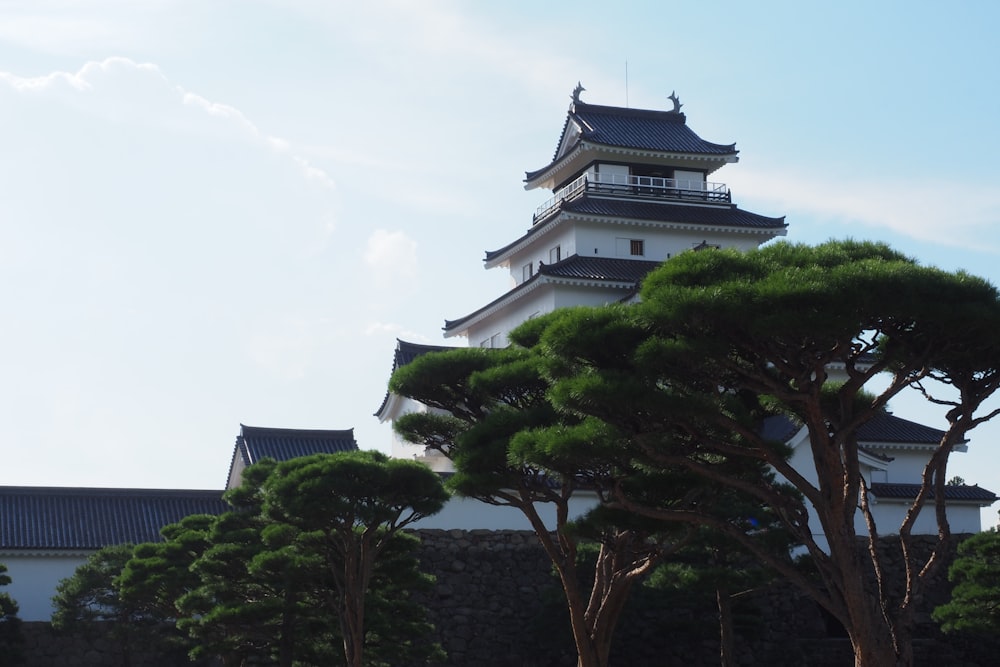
92,602
975,600
11,640
264,583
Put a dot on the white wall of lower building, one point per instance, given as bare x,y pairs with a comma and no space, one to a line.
34,577
469,514
889,515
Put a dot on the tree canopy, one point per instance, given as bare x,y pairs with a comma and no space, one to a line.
11,639
347,510
975,600
724,341
309,547
494,417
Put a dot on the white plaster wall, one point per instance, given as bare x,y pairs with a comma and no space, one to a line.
537,302
540,301
468,514
661,242
907,465
889,516
567,296
34,579
562,236
400,448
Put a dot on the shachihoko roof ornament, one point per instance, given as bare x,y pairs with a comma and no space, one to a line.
576,92
676,100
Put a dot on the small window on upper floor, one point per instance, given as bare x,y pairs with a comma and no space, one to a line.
555,254
527,271
630,247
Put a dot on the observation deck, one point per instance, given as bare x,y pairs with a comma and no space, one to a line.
643,188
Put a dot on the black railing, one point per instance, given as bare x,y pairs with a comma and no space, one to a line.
636,187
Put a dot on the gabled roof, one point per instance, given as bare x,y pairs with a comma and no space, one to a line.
882,428
636,129
405,353
648,129
960,492
729,217
615,273
64,518
281,444
886,427
608,269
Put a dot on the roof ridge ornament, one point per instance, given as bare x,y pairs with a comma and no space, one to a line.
576,93
676,100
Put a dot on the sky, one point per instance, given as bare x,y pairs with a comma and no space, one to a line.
215,213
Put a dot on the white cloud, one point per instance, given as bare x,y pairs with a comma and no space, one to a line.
121,90
392,259
953,214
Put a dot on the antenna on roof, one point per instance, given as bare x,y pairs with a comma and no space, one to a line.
626,84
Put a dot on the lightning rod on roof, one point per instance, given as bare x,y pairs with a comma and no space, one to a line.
626,84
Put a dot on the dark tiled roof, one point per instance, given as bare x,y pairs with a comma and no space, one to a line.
730,216
639,129
407,352
404,354
909,491
599,268
716,216
883,428
281,444
779,428
81,518
645,129
889,428
602,269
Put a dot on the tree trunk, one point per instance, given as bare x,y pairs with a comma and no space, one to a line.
873,636
727,639
353,625
587,655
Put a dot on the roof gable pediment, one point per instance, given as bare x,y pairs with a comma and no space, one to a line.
281,444
644,131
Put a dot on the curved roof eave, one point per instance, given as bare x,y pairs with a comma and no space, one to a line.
460,326
496,257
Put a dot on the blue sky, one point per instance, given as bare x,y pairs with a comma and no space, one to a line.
226,212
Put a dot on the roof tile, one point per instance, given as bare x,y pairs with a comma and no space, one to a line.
66,518
281,444
951,492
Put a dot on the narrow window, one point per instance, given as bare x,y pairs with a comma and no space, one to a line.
492,341
555,254
637,247
527,271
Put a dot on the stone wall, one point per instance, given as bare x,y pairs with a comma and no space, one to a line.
43,647
496,603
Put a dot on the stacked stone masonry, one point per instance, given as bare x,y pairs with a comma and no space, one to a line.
496,603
